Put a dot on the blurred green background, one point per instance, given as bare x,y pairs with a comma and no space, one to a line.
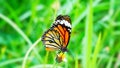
95,37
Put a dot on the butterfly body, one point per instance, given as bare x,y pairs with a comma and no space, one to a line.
57,37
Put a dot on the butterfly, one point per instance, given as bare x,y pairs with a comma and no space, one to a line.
57,37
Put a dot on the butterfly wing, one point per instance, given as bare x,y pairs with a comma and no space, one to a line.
52,40
63,26
57,37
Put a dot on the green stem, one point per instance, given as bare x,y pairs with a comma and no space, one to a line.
28,52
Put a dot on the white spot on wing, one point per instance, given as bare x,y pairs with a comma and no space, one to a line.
66,23
58,21
69,30
61,22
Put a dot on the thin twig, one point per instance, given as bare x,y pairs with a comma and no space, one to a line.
28,52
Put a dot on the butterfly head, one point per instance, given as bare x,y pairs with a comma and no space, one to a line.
64,49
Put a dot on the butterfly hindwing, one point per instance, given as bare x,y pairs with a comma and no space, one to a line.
52,40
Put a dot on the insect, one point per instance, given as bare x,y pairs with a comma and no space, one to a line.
57,37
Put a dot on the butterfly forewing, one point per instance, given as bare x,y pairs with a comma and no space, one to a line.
63,26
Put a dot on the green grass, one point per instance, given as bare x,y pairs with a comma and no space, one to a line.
94,42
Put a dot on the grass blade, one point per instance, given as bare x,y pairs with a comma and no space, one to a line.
88,37
96,51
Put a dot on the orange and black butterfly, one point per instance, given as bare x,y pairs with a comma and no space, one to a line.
57,37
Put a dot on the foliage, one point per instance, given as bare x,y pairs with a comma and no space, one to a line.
94,42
